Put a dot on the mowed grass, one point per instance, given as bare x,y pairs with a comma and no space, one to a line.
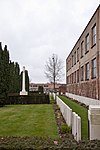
82,112
28,120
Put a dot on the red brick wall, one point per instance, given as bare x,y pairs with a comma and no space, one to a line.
87,89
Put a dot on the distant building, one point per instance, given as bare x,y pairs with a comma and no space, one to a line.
35,86
83,62
48,87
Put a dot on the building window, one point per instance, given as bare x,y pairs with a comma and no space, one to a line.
94,68
77,54
94,35
87,71
87,43
72,78
72,60
77,76
67,79
67,67
70,63
82,48
82,73
74,57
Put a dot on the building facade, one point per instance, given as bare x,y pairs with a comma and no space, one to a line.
83,62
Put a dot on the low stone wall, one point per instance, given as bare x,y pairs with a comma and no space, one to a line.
87,101
71,118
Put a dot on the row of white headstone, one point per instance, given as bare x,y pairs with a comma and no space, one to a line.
73,120
93,114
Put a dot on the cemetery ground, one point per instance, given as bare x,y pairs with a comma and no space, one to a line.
39,126
28,120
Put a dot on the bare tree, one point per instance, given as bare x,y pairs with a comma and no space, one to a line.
53,69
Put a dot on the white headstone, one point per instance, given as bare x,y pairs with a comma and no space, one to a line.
78,128
94,121
23,92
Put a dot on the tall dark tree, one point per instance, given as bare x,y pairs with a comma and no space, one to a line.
11,79
14,86
53,69
17,77
9,74
1,69
6,71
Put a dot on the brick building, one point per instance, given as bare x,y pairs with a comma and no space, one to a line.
48,87
83,62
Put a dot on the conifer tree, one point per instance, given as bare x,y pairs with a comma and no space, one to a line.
5,71
1,69
14,78
17,77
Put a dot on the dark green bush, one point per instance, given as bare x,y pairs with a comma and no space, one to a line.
65,128
40,89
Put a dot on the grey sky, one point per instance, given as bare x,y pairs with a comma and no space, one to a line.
35,29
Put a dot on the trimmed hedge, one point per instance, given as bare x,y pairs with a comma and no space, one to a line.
28,99
36,143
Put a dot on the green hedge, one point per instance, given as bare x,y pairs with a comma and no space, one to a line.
28,99
35,143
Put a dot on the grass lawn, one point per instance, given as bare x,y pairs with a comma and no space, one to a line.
28,120
82,112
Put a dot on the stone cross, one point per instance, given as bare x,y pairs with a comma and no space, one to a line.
23,92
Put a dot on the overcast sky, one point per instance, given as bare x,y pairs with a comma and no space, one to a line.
35,29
